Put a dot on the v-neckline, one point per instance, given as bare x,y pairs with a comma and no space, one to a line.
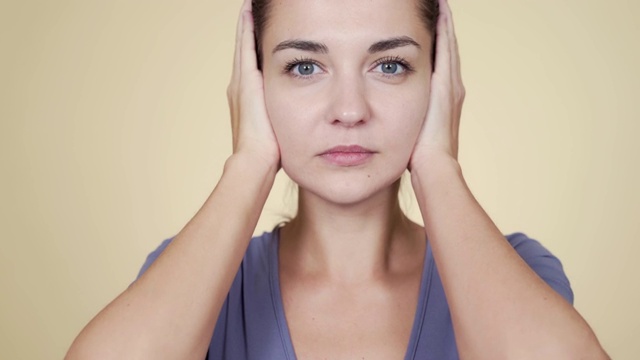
276,296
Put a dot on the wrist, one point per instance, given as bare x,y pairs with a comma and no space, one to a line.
435,166
257,165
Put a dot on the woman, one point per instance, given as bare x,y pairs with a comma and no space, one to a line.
345,97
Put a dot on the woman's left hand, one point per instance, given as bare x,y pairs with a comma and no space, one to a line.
439,134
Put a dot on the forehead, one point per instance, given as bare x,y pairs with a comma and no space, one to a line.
343,21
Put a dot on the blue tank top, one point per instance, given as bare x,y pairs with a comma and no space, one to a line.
252,323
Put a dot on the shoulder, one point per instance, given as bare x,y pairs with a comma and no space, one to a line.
247,324
542,262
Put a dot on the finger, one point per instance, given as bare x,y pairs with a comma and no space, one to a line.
453,46
443,60
456,81
249,60
456,75
450,36
237,52
246,5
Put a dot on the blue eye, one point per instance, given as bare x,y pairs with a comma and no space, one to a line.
302,68
391,68
305,69
388,66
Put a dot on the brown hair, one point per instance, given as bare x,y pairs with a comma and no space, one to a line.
429,11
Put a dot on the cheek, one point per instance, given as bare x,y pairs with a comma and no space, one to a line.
404,113
290,122
277,107
287,118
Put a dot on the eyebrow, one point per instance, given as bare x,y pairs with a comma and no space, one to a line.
388,44
304,45
320,48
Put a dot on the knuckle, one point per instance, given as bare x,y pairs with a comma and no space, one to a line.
460,94
231,91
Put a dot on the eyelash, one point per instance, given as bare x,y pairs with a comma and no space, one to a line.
289,66
395,59
297,61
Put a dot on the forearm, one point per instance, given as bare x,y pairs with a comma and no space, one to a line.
500,308
171,310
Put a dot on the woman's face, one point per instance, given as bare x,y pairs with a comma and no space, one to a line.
346,73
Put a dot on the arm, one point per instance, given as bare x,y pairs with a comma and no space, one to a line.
500,308
170,312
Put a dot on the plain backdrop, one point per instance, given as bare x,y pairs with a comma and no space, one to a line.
114,129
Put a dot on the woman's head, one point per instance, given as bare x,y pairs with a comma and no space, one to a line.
343,73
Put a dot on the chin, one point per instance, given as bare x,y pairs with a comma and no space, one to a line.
342,195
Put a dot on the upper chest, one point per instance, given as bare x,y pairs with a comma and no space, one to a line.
359,322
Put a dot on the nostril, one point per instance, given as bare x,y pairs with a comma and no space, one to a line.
348,108
347,122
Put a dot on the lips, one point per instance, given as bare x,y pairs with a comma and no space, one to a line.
347,155
347,149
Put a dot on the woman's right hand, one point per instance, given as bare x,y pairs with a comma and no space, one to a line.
251,128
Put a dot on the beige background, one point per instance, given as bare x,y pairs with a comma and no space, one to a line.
114,129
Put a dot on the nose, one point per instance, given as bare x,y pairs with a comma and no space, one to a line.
349,105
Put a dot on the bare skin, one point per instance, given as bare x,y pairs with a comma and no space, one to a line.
350,263
500,308
171,310
336,310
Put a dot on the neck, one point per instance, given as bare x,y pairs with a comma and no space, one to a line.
350,243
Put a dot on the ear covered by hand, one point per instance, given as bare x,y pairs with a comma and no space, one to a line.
251,128
439,134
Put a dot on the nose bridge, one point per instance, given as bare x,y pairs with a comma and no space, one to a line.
349,104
